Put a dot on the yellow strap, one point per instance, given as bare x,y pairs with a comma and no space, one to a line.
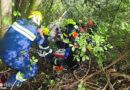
65,40
41,47
65,35
71,33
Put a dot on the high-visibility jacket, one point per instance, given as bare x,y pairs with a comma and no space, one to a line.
19,38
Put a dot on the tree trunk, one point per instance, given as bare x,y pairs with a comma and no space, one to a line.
22,6
5,12
33,5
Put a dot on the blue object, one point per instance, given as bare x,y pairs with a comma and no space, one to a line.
14,48
67,53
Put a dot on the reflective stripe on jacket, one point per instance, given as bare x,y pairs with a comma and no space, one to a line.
24,31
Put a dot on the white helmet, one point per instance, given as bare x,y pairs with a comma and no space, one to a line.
36,17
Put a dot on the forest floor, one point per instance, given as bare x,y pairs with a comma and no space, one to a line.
90,75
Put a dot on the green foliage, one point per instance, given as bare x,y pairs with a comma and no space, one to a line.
45,81
99,46
85,57
100,62
16,13
82,87
7,20
58,72
33,60
52,10
113,23
52,83
40,88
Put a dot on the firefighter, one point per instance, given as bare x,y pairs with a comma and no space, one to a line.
44,49
64,51
69,34
15,46
83,27
91,27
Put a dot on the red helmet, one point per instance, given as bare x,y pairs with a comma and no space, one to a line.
90,23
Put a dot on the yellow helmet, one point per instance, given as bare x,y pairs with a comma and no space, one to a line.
70,21
80,21
46,31
36,17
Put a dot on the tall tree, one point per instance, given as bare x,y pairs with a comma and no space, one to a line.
5,13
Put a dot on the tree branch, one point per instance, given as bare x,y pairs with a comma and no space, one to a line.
120,75
91,75
122,56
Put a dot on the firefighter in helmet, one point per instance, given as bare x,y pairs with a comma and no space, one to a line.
44,49
15,46
67,37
